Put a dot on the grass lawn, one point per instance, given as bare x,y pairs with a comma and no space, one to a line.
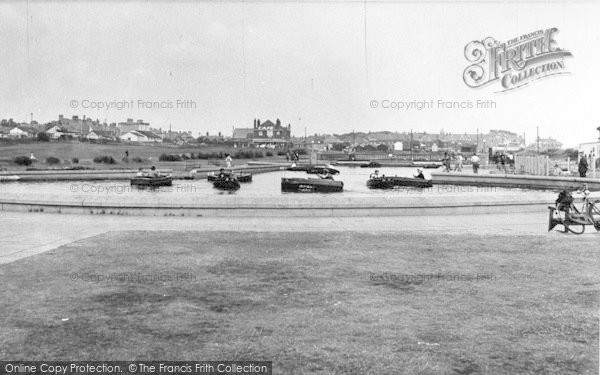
313,303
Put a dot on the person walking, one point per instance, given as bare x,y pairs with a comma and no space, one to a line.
459,162
228,160
583,165
475,161
446,162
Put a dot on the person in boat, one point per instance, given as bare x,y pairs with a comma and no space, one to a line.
153,171
140,172
374,174
326,175
222,173
420,174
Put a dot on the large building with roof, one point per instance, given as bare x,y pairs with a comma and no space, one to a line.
269,134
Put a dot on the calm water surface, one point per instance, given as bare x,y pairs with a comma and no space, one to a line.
265,184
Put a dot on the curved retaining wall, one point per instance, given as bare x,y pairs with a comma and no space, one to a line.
553,183
297,205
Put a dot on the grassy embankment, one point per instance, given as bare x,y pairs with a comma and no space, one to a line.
86,152
341,303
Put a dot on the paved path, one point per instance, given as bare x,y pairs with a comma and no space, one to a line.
27,234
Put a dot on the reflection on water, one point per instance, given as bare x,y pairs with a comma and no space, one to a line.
263,185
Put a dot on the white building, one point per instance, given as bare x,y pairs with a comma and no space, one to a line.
141,136
20,132
99,135
55,132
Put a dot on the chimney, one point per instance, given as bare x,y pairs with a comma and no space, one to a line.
207,134
257,123
219,134
254,122
278,122
598,128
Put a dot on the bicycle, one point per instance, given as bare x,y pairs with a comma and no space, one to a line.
574,219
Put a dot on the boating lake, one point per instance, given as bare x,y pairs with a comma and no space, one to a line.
262,185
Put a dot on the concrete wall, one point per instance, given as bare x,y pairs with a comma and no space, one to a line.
553,183
284,206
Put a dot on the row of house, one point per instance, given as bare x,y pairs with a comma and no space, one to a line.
92,130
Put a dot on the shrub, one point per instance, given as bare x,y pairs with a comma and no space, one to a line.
105,159
52,160
22,160
280,153
43,137
169,157
137,159
269,153
75,160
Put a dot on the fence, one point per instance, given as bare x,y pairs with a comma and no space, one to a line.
533,164
392,155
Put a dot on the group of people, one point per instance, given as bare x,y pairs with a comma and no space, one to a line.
503,161
447,159
446,162
293,156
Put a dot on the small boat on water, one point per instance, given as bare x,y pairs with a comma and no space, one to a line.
226,183
311,185
6,178
431,166
313,169
321,170
392,182
241,177
372,164
152,181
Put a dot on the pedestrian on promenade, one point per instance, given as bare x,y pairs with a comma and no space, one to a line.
228,160
475,161
446,162
583,165
459,162
503,162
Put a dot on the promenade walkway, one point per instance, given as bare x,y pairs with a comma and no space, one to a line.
27,234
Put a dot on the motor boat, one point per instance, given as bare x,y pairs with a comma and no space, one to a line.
372,164
392,182
227,182
311,185
152,181
241,177
312,169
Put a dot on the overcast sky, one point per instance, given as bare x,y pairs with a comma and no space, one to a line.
316,65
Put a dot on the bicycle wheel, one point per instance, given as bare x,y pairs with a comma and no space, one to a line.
595,214
575,228
572,226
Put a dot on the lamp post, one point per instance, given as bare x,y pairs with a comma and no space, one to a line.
483,151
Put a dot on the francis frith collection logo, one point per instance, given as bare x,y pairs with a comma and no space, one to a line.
514,63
